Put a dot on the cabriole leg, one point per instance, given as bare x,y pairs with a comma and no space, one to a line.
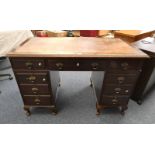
27,111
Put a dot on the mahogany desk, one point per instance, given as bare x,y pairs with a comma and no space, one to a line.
146,80
114,64
133,35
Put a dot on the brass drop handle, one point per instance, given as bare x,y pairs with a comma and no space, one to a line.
121,79
37,101
34,90
125,65
59,65
29,65
94,66
117,90
126,91
114,101
31,78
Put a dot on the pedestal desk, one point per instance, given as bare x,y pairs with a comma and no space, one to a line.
115,67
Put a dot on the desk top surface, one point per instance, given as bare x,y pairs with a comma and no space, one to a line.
133,33
77,47
147,44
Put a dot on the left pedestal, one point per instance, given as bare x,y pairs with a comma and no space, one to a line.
37,85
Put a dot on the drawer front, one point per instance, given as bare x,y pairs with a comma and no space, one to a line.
28,64
118,90
32,78
37,100
77,64
120,79
41,89
124,66
115,100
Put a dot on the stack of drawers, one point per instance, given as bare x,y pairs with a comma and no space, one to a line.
118,84
34,83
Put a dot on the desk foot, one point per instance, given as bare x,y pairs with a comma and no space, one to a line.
10,78
122,113
27,111
97,110
91,83
54,111
122,110
139,102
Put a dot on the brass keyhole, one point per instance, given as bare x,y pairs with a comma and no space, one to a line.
39,64
77,64
94,66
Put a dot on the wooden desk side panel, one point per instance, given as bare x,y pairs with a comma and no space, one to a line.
143,80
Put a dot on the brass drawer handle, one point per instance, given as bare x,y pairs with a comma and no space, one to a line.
94,66
125,65
31,78
37,101
121,79
117,90
34,90
126,91
114,101
29,65
59,65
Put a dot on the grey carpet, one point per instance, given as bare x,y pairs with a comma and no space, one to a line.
76,105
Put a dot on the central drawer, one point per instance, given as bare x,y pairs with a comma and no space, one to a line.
37,100
77,64
29,89
32,78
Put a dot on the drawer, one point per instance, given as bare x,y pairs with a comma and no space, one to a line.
120,79
37,100
37,89
115,100
118,90
124,66
82,64
28,64
32,78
